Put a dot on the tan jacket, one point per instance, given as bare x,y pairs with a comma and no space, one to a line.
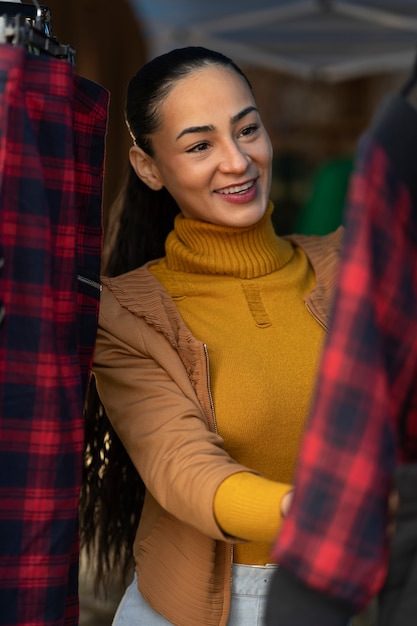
152,376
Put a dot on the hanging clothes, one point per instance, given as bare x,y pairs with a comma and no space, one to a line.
52,139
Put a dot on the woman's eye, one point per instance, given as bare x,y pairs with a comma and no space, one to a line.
249,130
199,147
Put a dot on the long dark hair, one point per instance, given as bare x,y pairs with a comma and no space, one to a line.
112,492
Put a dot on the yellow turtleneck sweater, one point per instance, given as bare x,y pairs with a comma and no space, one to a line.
240,291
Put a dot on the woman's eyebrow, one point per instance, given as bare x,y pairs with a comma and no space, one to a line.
243,113
210,128
196,129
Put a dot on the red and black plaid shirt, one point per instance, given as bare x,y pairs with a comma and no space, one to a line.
52,131
364,418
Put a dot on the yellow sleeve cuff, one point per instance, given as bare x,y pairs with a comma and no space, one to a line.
247,506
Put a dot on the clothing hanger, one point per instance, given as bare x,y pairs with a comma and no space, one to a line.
29,25
35,14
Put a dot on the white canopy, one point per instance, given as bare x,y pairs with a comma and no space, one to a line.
329,40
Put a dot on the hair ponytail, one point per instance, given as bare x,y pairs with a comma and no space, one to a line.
145,218
111,498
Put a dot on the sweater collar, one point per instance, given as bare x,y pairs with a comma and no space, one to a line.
203,248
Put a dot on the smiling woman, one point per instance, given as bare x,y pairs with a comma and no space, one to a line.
208,342
218,166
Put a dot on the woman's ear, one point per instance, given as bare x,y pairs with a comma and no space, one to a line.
145,168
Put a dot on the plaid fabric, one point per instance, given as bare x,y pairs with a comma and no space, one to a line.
364,418
89,129
50,232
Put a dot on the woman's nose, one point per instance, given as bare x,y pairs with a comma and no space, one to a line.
234,158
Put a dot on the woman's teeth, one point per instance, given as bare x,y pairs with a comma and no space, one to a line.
237,188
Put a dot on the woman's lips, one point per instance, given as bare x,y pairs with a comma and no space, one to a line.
239,194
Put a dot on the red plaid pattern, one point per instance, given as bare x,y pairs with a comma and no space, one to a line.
52,129
364,418
90,105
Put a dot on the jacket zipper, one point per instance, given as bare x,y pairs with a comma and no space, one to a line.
216,431
318,320
90,282
213,414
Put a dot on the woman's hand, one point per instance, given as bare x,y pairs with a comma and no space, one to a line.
286,503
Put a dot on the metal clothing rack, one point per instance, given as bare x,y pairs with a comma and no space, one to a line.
29,25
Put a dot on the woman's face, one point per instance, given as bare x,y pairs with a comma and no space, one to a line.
211,151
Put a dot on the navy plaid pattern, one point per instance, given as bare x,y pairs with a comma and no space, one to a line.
52,131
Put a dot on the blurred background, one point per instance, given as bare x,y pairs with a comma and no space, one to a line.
319,70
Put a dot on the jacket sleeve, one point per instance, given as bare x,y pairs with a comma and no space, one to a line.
153,407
